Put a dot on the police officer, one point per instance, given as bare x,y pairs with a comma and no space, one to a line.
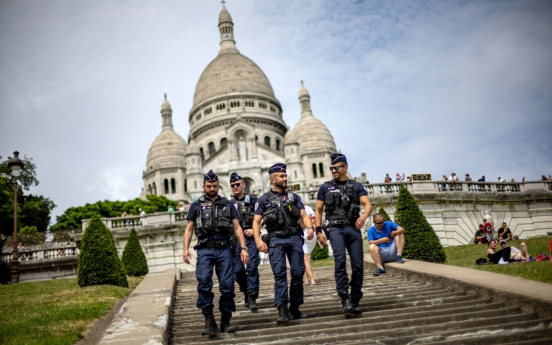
247,278
280,210
214,219
342,198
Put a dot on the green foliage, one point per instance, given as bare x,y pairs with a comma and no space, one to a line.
5,272
421,242
72,217
98,260
319,253
28,230
384,214
38,238
134,259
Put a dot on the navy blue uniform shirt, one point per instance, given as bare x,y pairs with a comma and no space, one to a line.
196,205
325,187
252,199
263,203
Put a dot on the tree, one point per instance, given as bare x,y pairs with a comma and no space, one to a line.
134,259
319,253
98,260
384,214
421,242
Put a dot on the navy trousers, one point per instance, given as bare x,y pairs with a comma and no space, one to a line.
348,238
223,262
248,277
290,246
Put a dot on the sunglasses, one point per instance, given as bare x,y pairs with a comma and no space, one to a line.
336,168
235,185
380,223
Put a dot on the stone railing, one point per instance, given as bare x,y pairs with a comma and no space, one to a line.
148,220
40,252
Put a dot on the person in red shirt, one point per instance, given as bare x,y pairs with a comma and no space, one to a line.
489,229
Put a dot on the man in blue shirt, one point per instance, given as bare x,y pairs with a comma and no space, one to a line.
386,242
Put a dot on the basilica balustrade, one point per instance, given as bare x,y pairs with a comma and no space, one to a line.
147,220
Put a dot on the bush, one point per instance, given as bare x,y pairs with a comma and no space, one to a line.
421,242
384,214
98,260
319,253
5,272
28,230
134,259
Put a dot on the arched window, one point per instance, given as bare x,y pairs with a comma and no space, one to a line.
256,138
314,174
185,185
166,183
202,154
154,188
149,189
195,184
278,144
173,186
321,169
211,148
295,173
223,142
267,141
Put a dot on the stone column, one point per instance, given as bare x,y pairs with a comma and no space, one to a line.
252,147
232,148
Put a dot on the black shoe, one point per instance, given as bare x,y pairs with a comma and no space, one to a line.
225,325
347,303
356,309
210,325
246,302
283,314
253,303
296,313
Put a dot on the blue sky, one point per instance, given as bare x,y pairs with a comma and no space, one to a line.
424,87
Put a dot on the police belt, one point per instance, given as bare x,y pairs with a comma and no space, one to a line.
333,222
281,233
211,244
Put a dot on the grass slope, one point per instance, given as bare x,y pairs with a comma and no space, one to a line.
54,312
465,256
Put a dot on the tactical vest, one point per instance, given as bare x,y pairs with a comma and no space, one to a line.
281,214
246,211
213,217
342,203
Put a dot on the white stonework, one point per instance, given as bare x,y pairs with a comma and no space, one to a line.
236,124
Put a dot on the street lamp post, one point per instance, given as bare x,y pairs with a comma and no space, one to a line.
16,166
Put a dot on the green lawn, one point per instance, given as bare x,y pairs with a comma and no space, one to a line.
55,311
323,262
465,256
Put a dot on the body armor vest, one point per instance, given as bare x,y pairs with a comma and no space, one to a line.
281,214
342,203
213,217
246,211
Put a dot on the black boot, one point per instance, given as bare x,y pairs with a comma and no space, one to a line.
283,314
246,302
225,324
347,303
356,308
253,303
296,313
210,325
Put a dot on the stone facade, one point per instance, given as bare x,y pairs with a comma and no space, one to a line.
236,124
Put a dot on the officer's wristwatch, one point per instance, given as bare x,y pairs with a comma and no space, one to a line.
244,249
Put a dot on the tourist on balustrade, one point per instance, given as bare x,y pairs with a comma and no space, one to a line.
482,179
468,178
342,198
386,240
214,219
247,277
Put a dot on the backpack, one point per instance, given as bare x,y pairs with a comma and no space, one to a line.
481,261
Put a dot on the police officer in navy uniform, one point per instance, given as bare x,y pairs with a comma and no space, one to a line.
214,220
247,278
281,210
342,199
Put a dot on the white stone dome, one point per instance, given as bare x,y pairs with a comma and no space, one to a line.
290,139
224,16
166,106
313,135
167,149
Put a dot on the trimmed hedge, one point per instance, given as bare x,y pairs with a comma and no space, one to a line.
134,258
384,214
421,242
319,253
98,260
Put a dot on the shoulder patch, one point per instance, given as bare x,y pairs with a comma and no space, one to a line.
256,205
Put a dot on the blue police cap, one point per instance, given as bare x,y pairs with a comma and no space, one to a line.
210,177
278,167
235,177
338,157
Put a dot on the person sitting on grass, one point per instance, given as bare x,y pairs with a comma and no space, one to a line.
489,229
516,254
504,232
383,247
480,236
502,256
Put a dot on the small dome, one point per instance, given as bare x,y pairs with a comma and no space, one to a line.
167,149
192,148
313,135
290,138
303,91
166,106
224,16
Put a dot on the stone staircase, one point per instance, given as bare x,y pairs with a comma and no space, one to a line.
396,311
